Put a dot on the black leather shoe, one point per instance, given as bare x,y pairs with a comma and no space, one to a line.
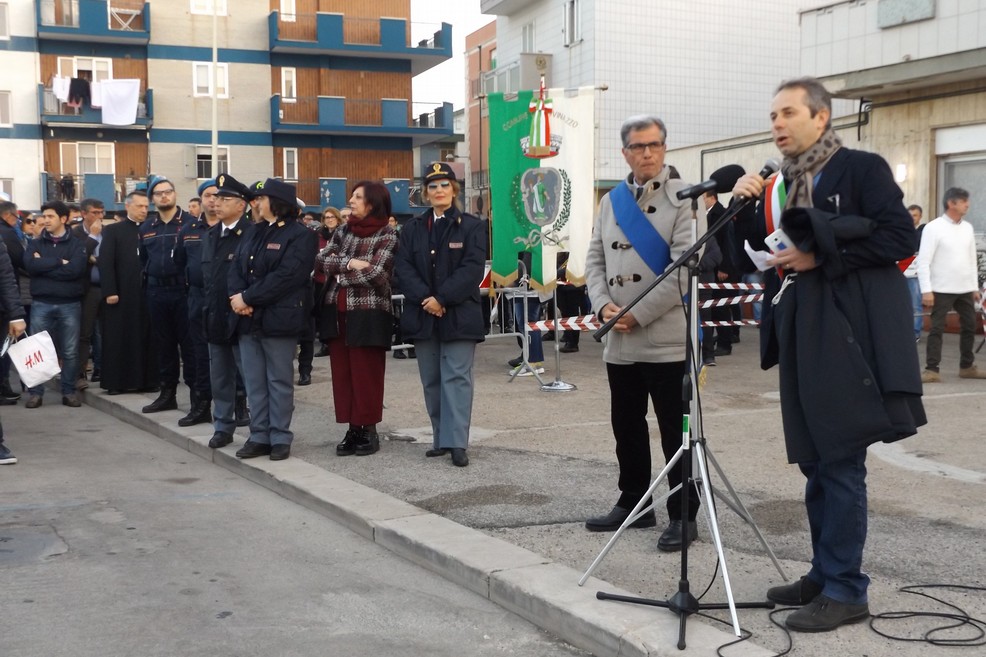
220,439
459,458
96,376
440,451
823,614
280,451
348,445
515,362
566,348
724,351
670,540
251,450
612,520
322,352
400,354
795,594
200,413
368,442
166,401
114,392
304,379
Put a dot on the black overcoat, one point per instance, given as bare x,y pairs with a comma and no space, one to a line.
842,333
451,272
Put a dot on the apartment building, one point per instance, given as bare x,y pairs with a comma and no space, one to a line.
317,92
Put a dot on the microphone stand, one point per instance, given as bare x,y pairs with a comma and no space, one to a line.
693,448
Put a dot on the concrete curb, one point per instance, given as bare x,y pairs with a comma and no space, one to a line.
527,584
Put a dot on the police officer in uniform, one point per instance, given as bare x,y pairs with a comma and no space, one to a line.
270,292
439,266
188,258
218,249
166,293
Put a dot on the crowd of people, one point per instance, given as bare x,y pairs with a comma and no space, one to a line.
226,300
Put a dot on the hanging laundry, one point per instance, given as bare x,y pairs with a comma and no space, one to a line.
97,95
79,92
59,87
120,98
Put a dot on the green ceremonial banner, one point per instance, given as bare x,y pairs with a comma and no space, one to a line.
541,182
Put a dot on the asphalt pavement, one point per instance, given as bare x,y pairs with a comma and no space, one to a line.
116,544
509,526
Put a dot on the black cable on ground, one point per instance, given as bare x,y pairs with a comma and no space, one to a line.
960,619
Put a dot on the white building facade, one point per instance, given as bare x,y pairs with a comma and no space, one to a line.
707,68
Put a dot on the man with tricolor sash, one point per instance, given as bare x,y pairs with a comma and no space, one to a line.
837,321
641,227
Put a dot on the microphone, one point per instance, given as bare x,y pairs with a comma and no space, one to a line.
769,167
721,181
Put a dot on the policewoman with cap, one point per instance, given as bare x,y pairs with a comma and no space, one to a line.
440,264
357,318
270,294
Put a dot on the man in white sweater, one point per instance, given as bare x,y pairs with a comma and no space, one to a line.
949,279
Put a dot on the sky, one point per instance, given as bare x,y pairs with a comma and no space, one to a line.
446,82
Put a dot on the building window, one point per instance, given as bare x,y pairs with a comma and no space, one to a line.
206,7
202,79
4,22
203,161
967,171
291,164
288,10
572,22
94,69
88,157
527,43
289,90
7,187
492,59
6,113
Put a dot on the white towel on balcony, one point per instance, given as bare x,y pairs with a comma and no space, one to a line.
59,87
120,98
96,95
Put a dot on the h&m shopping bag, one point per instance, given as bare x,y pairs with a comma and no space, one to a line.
35,359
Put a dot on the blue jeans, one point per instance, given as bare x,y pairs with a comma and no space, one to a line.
835,497
915,288
535,352
62,321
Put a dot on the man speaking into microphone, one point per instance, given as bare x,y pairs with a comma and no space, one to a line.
643,226
837,321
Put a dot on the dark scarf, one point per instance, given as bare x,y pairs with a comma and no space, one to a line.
365,226
800,171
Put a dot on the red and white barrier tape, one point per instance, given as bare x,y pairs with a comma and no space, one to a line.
590,323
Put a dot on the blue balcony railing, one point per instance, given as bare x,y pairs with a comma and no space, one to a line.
56,113
103,21
334,34
341,116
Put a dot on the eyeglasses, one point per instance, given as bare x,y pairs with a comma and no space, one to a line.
445,184
30,221
638,149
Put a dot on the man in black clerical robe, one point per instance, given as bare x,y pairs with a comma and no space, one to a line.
129,361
